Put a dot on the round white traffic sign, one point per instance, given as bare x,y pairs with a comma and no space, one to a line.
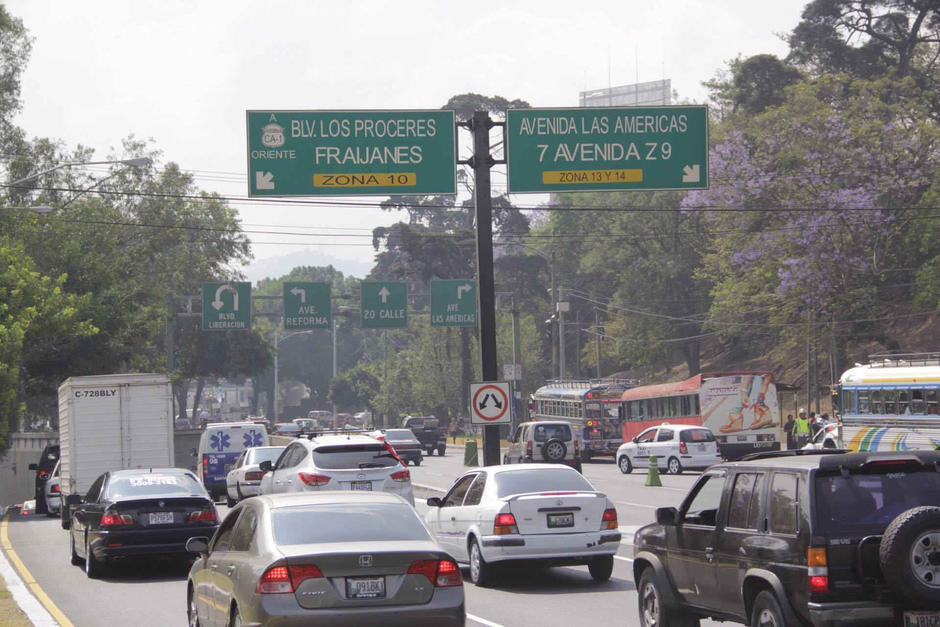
490,402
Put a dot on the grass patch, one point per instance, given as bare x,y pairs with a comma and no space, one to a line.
10,613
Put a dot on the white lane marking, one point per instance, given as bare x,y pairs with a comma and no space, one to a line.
637,504
483,621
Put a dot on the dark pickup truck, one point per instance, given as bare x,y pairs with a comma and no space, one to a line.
428,431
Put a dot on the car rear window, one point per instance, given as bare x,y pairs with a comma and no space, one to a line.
696,435
539,480
258,455
353,456
543,433
399,434
346,522
154,484
872,499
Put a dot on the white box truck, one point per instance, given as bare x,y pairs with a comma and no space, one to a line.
112,422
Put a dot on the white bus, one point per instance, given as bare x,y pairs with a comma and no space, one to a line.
890,404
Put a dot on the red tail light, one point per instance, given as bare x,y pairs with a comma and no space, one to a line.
285,579
402,475
609,519
577,448
205,466
504,523
818,563
683,448
114,520
254,475
528,449
442,573
818,584
204,515
55,489
313,479
43,474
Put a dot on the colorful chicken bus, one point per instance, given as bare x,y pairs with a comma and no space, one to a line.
740,408
889,404
593,406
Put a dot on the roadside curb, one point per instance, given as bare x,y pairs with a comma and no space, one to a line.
20,589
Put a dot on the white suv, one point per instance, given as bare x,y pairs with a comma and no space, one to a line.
676,447
337,462
549,441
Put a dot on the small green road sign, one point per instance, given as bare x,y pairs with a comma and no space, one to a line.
603,149
226,306
383,304
351,153
307,306
453,303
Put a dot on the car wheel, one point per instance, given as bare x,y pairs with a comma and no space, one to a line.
653,613
624,464
93,567
481,573
66,523
601,567
192,615
910,553
76,560
441,449
554,450
766,611
675,468
236,618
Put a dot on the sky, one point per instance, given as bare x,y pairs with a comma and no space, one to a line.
183,73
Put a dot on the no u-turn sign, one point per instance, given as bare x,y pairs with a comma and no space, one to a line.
489,403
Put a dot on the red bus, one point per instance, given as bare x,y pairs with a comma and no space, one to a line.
740,408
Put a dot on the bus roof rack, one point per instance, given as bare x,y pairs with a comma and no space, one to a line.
792,453
891,360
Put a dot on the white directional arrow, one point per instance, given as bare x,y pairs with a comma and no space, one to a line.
264,180
463,289
218,304
384,294
690,174
300,292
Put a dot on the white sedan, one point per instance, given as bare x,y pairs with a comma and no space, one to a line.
542,513
244,479
676,448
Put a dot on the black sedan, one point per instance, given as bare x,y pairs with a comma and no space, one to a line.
405,444
139,512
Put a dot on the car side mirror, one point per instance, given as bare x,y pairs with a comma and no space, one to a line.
434,501
635,440
265,466
73,499
34,466
198,544
666,515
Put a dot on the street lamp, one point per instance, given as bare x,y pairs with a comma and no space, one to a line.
137,162
277,343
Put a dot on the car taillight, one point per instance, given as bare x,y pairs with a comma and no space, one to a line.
504,523
254,475
442,573
528,449
204,515
609,519
205,466
402,475
313,479
577,448
818,570
284,579
683,448
114,520
43,474
55,489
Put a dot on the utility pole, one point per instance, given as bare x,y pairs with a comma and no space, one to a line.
562,307
597,343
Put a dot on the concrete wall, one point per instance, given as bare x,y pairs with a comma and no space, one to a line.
17,481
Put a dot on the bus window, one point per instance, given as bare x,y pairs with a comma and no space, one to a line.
891,402
864,402
698,409
848,401
877,404
904,402
917,402
930,398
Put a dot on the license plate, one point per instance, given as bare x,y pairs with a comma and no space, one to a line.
700,447
921,619
560,520
361,485
365,588
161,518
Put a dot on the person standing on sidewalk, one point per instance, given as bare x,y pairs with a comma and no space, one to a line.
801,429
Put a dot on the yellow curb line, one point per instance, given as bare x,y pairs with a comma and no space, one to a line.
28,578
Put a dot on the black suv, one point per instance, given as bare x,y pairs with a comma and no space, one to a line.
813,538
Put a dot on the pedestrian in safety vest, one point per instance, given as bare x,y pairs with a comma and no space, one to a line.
801,429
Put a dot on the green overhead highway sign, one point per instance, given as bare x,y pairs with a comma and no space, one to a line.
307,306
607,148
454,303
351,153
226,306
383,304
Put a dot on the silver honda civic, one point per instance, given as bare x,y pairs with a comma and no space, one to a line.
323,558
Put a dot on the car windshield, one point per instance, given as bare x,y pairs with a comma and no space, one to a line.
873,499
333,457
258,455
696,435
547,432
153,484
539,480
346,522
